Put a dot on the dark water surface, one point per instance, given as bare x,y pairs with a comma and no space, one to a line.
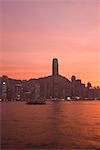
56,125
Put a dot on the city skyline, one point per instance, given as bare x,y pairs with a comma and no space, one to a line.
52,86
35,32
55,73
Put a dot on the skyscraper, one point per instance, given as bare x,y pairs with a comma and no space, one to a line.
55,67
55,77
4,91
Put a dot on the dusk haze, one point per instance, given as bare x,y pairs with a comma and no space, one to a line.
34,32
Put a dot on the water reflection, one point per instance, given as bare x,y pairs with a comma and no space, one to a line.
54,125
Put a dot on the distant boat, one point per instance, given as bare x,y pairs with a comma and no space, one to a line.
97,98
36,99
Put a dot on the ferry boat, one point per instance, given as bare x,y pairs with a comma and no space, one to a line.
98,98
35,101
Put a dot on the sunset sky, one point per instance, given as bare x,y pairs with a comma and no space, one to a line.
33,32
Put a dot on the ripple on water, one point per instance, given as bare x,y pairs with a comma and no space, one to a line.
59,125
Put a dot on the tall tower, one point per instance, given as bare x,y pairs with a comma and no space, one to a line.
55,67
55,77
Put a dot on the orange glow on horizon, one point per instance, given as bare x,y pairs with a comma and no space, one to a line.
33,33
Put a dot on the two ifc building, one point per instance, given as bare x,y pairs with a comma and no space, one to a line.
54,86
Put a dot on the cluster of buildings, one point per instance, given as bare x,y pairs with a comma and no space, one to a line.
54,86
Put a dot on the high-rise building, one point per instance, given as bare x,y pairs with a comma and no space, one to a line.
18,91
55,67
73,86
55,77
37,90
4,91
73,78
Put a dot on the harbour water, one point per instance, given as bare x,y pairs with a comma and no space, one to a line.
57,125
